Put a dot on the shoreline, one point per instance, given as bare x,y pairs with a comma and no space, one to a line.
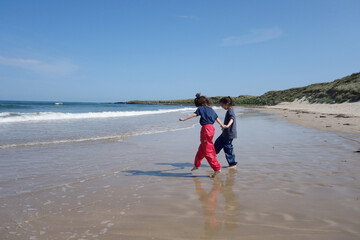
343,117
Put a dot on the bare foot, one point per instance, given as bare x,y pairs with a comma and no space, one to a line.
194,168
233,166
215,173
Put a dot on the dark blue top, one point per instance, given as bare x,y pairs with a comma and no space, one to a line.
207,115
230,133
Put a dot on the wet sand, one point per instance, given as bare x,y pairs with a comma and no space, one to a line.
291,183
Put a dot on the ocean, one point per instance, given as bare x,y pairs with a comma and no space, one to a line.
24,123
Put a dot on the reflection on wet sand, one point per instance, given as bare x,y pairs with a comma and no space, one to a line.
215,220
232,204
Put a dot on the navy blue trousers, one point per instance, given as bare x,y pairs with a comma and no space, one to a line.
226,144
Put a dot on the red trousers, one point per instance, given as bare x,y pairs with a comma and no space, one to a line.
206,148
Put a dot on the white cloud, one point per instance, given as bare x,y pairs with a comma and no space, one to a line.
255,36
61,67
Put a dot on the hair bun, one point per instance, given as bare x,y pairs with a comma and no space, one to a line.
198,95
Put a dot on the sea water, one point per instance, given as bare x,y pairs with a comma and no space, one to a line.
41,123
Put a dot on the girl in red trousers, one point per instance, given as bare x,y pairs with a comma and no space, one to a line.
207,119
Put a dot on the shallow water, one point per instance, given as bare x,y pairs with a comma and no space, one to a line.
291,183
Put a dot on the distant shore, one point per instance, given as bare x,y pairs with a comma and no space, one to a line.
344,117
341,117
330,106
160,102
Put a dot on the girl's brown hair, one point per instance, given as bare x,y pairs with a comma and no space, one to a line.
226,100
201,100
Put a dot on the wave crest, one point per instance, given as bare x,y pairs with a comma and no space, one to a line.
15,117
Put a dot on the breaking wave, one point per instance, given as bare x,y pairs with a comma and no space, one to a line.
14,117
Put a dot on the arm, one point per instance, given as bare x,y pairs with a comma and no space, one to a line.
191,116
229,124
220,123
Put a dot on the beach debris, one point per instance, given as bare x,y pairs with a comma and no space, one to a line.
322,116
346,124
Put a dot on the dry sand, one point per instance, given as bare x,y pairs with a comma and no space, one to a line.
343,117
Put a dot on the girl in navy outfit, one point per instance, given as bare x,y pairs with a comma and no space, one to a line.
224,141
207,119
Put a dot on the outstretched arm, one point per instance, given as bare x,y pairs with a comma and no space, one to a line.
191,116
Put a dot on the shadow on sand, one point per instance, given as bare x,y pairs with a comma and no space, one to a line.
167,173
179,166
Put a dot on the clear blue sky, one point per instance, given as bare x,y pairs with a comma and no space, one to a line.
122,50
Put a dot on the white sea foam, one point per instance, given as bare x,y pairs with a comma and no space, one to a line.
104,138
11,117
4,114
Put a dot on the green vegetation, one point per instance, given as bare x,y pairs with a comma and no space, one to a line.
248,100
338,91
163,102
189,101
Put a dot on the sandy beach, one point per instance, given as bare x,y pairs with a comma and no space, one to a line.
292,182
343,117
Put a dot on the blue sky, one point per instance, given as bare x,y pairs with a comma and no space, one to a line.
123,50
